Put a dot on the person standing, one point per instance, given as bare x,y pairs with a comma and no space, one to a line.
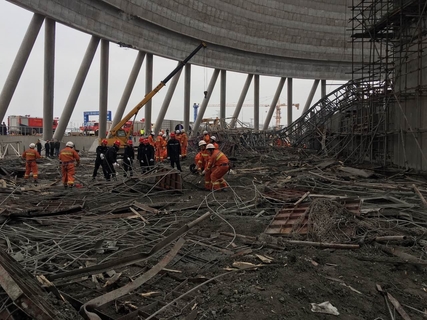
39,146
110,161
206,137
47,149
151,138
67,157
52,148
159,145
145,155
129,156
100,155
218,166
184,144
174,151
57,147
31,155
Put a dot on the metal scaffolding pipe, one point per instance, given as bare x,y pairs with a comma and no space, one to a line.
311,95
77,87
166,102
274,103
103,88
241,100
205,102
128,89
49,77
187,94
19,64
148,88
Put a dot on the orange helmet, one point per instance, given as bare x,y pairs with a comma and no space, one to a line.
117,143
104,141
130,142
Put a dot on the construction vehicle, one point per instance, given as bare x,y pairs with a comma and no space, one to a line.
27,125
118,132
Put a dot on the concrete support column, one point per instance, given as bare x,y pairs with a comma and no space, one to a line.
256,102
77,87
19,63
128,88
311,95
323,88
187,92
274,103
49,77
166,102
222,98
103,88
148,89
241,100
289,101
205,102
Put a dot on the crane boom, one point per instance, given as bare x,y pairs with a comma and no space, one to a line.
117,132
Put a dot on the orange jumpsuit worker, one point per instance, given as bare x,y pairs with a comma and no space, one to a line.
218,167
184,143
164,149
67,156
206,137
151,139
30,157
201,160
213,141
159,145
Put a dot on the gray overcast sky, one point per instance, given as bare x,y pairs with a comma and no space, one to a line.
70,48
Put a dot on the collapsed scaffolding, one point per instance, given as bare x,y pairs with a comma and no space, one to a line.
377,116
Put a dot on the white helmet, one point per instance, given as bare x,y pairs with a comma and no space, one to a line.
69,144
32,145
182,130
202,143
210,146
152,133
164,135
205,132
160,133
177,132
213,138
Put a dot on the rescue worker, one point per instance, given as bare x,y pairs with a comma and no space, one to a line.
213,141
67,156
129,156
52,148
100,156
57,147
206,137
39,146
31,155
151,139
110,161
159,145
184,144
174,151
47,149
217,167
145,154
165,142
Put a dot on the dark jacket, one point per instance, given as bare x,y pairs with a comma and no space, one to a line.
111,155
146,153
129,152
99,150
174,149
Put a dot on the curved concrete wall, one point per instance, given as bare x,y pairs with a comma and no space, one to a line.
292,38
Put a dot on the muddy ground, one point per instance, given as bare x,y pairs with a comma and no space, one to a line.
228,267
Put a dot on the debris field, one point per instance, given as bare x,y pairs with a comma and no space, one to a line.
295,236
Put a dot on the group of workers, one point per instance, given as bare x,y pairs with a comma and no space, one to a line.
68,158
209,161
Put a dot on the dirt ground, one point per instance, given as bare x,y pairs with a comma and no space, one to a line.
228,267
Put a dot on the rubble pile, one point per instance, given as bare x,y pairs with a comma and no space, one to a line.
294,235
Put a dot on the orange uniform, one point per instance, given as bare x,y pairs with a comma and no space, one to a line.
160,146
67,156
30,157
184,144
207,138
218,167
215,144
151,140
